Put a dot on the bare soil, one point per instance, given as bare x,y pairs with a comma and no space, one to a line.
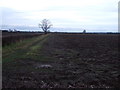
68,61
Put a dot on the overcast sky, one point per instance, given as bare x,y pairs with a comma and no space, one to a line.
92,15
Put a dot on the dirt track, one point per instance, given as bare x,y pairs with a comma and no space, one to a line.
65,61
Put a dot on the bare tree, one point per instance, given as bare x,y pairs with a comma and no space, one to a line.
45,25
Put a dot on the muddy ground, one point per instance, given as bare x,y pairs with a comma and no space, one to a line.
66,61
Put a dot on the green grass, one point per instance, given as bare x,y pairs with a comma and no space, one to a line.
23,56
25,49
17,55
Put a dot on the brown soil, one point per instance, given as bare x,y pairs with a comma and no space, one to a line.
77,61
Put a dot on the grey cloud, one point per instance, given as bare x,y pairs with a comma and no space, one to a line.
99,17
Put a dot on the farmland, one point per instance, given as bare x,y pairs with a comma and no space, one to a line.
62,60
12,37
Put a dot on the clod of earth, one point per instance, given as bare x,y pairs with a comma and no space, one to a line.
43,66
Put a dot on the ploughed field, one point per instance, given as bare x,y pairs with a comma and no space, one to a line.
63,61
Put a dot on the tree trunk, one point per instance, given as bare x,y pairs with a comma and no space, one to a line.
45,32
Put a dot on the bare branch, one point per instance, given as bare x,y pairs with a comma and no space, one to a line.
45,25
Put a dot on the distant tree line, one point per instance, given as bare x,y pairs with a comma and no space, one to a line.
16,31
